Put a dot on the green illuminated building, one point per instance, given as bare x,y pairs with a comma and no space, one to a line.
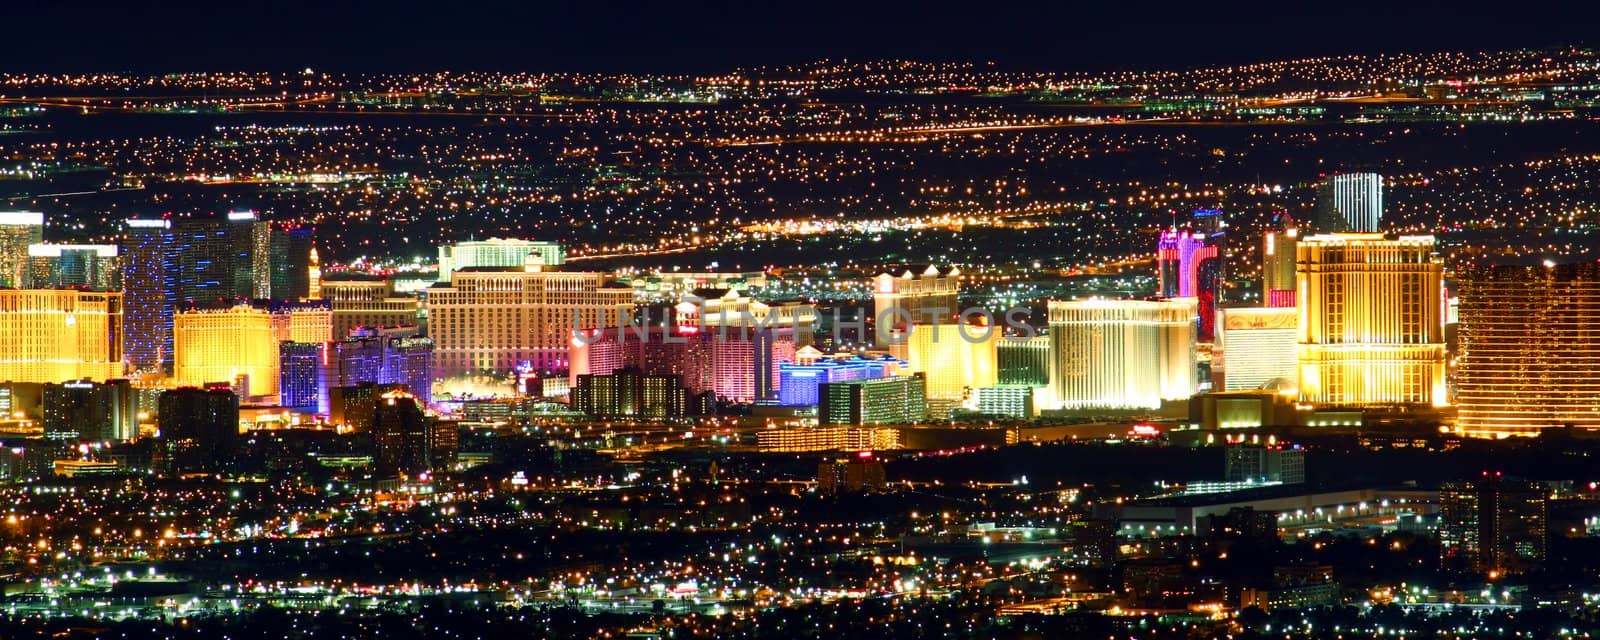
879,401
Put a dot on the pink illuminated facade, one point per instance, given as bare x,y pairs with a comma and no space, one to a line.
1190,266
737,366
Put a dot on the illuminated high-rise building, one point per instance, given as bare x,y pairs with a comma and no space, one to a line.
289,249
1121,354
367,301
1023,361
1175,251
1277,261
913,295
57,335
309,370
400,435
504,320
1255,346
1371,321
1493,526
629,393
874,401
301,321
240,255
728,310
149,285
498,253
915,312
953,358
800,382
738,366
1528,359
1190,265
229,343
89,266
1350,203
237,342
84,410
18,231
314,276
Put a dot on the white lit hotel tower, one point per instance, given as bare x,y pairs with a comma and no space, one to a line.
1121,354
1371,321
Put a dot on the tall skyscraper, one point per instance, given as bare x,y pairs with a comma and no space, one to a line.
229,343
56,335
367,301
1175,251
18,231
1493,526
1256,345
498,253
289,261
314,276
198,427
738,366
149,285
237,342
83,410
1121,354
875,401
1371,321
308,371
1277,261
1023,362
955,359
1190,265
1528,358
240,256
400,435
89,266
630,393
504,320
914,296
1350,203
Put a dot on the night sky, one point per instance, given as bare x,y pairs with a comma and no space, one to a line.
403,35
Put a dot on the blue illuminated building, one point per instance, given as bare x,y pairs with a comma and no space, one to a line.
149,288
799,383
308,370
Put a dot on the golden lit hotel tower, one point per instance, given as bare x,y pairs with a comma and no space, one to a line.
1529,359
1371,321
495,319
1121,354
954,358
314,276
237,343
56,335
1277,261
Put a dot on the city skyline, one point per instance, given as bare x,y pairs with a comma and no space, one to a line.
487,320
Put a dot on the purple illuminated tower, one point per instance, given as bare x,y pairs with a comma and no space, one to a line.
1190,266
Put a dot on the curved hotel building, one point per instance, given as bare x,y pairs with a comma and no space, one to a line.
1121,354
56,335
1371,321
1530,358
